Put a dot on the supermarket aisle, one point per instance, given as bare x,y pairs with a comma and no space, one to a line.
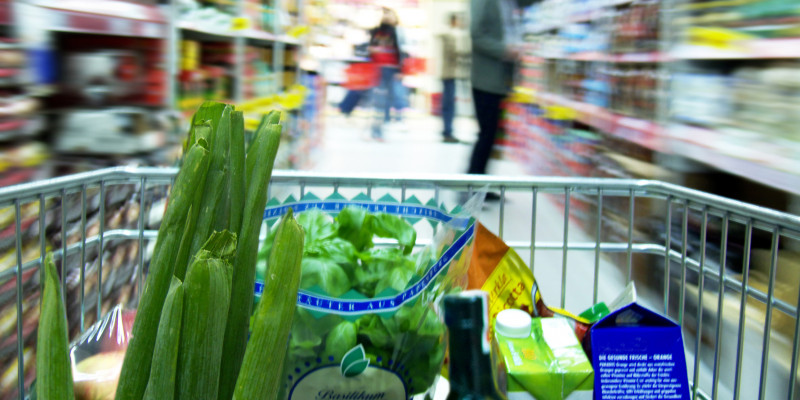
417,148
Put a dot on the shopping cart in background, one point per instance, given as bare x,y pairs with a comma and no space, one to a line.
692,256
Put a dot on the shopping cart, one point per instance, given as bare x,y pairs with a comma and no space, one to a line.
692,256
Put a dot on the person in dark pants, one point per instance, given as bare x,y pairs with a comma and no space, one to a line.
487,110
495,47
350,101
448,109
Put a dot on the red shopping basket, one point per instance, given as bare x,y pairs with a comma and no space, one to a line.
413,66
361,76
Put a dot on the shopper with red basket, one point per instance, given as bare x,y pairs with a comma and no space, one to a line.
384,48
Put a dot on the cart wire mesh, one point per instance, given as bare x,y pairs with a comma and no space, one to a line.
726,271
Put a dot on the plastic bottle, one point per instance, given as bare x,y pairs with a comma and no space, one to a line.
466,317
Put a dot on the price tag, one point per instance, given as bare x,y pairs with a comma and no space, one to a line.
240,23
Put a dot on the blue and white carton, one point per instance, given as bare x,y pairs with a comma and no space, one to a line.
638,354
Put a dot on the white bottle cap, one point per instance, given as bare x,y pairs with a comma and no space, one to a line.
513,323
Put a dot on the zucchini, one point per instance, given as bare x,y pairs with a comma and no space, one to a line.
262,368
53,366
262,154
136,366
205,308
161,385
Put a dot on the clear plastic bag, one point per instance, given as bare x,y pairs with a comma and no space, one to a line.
367,322
98,353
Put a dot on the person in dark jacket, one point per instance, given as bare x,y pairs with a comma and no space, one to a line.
495,37
384,48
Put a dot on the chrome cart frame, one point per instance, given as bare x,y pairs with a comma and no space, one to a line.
730,339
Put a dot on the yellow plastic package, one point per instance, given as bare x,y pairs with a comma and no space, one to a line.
499,270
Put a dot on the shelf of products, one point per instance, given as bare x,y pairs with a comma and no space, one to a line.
642,132
23,156
107,63
719,75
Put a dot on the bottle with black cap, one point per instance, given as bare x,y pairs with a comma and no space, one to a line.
466,317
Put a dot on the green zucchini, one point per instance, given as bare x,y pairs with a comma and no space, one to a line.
205,308
262,367
53,367
136,365
161,385
262,154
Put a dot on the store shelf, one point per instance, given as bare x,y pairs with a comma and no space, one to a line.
584,16
197,32
642,132
753,49
263,36
765,167
194,31
588,56
755,167
645,57
106,17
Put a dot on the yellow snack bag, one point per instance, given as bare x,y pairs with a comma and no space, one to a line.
499,270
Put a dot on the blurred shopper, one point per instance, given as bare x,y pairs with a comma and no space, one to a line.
358,85
400,95
496,41
384,48
449,70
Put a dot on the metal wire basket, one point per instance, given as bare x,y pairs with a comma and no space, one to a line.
724,270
